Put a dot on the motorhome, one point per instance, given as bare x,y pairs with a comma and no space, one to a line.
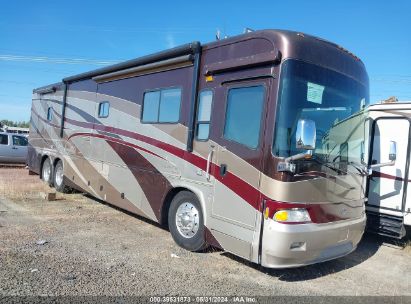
389,204
228,143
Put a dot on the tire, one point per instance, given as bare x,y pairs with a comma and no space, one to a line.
186,222
58,178
46,172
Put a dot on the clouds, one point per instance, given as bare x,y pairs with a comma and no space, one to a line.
170,41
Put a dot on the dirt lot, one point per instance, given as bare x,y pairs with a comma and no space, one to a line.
92,248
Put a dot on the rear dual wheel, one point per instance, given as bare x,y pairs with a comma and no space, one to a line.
58,178
46,171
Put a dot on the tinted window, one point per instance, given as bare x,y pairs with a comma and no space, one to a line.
162,106
19,140
4,139
204,114
151,106
49,113
103,109
170,105
243,115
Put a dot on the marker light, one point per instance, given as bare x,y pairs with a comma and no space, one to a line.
209,78
292,216
266,213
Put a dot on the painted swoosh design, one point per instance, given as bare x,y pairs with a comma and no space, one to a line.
45,120
115,140
233,182
388,176
244,190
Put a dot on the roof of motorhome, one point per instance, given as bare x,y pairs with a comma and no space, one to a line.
303,46
391,106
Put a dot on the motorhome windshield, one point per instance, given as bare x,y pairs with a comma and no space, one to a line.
312,92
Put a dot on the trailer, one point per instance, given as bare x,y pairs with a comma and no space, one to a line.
239,144
389,204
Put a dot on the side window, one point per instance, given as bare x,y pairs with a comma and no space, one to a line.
161,106
50,114
243,115
4,139
204,114
103,109
19,141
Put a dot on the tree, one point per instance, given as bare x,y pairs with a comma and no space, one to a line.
10,123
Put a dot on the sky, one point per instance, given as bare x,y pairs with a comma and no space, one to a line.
42,42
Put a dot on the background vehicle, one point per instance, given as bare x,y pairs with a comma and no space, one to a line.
16,130
389,196
228,143
13,148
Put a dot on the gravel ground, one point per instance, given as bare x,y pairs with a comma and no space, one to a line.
94,249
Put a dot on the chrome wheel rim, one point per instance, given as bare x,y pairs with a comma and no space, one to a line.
59,175
187,220
46,171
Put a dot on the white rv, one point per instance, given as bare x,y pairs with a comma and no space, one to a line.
389,194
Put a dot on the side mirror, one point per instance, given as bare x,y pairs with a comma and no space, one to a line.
306,134
393,151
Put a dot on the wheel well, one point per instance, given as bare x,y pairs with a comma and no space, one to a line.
167,201
55,162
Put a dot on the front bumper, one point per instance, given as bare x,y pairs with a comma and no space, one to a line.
286,246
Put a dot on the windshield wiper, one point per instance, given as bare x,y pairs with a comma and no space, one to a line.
327,165
358,167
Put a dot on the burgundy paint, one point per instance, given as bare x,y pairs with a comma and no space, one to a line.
388,176
317,212
152,182
151,176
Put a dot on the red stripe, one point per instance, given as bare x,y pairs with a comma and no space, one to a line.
236,184
116,140
318,214
243,189
388,176
247,192
233,182
44,120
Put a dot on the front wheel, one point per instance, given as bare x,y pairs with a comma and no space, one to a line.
59,178
186,222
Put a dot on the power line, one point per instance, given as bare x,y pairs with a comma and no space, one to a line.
391,80
150,30
60,69
45,59
17,82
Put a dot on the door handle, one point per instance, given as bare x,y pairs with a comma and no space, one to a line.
223,169
14,148
209,157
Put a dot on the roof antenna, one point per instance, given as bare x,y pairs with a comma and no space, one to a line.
218,35
248,30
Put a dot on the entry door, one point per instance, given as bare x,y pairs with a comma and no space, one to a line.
239,126
387,184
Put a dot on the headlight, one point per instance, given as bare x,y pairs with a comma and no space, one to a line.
292,216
